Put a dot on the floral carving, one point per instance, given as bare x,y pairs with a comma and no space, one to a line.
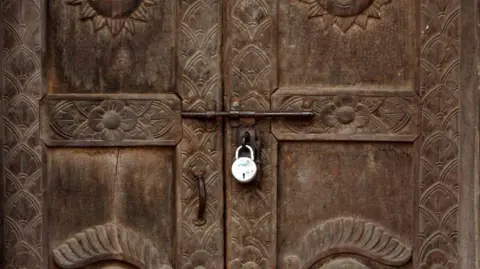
352,116
200,259
345,114
248,257
345,13
116,15
110,241
349,235
112,121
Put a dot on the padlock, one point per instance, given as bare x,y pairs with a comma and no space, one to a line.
244,169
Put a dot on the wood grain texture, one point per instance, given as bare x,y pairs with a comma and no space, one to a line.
106,47
113,192
349,235
343,115
250,78
108,242
348,193
110,120
200,241
438,203
22,197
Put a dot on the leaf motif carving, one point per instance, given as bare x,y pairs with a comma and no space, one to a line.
348,116
349,235
111,121
109,242
345,18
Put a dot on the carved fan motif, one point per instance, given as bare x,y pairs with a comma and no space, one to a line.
349,235
345,13
116,15
109,242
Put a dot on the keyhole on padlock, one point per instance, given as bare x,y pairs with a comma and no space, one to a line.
243,175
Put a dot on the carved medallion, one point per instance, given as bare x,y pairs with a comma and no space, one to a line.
345,13
116,15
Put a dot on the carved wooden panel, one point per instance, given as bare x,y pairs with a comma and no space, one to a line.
345,15
200,240
342,115
100,205
375,48
349,195
439,177
349,235
250,78
111,120
109,47
22,197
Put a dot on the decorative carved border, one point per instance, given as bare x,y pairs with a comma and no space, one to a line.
438,184
21,85
250,79
201,241
109,242
349,235
348,115
111,120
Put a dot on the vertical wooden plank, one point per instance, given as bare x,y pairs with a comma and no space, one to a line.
250,79
201,241
21,90
438,186
468,137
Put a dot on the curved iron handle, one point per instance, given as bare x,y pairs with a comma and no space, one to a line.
202,195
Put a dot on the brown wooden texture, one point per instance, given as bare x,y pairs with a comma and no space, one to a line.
111,46
200,241
393,85
437,230
349,198
21,87
250,78
111,120
359,71
111,204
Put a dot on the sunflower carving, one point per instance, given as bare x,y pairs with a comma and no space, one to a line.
115,15
345,13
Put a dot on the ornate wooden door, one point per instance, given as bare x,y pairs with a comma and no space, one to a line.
112,179
371,181
106,163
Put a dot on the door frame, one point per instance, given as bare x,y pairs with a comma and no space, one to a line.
33,251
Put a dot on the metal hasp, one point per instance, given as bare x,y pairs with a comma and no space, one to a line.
246,114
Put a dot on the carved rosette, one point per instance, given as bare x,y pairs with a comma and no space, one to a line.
109,242
349,235
111,121
115,15
348,116
345,13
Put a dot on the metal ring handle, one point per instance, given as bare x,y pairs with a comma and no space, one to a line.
202,195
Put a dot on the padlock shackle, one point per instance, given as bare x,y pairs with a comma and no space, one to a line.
237,152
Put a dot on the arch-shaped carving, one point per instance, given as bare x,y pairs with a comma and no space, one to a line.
110,241
349,235
344,263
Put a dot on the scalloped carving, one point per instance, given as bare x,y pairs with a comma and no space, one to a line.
344,263
349,235
109,242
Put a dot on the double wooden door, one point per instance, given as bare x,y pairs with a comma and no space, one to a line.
144,103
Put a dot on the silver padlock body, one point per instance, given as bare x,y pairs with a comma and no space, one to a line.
244,169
